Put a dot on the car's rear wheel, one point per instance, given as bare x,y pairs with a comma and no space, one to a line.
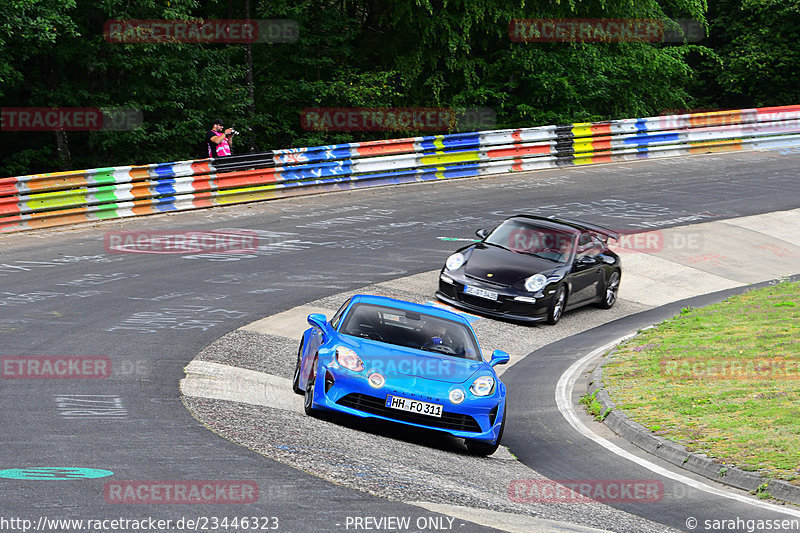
308,401
556,308
482,448
296,379
612,289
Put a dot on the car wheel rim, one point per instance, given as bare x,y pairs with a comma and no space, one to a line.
558,306
611,290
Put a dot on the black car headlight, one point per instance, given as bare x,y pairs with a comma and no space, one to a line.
455,261
535,283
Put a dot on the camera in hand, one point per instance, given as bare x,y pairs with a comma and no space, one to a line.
234,132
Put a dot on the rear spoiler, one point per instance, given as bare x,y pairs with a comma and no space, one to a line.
590,227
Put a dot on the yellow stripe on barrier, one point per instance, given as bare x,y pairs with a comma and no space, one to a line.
582,129
706,147
445,159
48,200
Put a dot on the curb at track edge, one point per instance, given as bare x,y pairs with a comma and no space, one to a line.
677,454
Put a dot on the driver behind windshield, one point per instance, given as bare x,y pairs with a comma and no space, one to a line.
434,333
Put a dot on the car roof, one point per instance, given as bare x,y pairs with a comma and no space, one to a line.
409,306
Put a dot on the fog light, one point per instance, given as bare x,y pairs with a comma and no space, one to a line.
457,396
446,279
376,381
525,299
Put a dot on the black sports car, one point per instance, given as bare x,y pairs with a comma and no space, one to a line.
533,269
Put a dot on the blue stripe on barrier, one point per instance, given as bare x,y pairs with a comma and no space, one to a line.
304,172
165,187
319,153
165,204
462,171
654,138
167,170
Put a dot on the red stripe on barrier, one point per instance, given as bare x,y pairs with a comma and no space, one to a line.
9,206
12,223
247,177
397,146
601,129
8,186
520,150
203,199
203,167
779,109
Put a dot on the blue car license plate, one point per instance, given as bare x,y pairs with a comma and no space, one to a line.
414,406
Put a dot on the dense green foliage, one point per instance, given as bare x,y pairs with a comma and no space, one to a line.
369,53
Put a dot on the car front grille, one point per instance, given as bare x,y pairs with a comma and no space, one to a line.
377,406
484,303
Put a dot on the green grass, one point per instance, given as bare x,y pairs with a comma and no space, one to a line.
593,407
723,380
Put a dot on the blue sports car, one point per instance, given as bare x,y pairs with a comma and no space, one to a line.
394,360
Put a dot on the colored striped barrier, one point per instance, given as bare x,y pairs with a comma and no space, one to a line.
45,200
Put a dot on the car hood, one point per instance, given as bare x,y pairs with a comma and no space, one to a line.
506,267
391,360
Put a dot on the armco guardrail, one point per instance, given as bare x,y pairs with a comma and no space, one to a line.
45,200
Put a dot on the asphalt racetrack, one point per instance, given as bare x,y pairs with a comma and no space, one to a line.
63,293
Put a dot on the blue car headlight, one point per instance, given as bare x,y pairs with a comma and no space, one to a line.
349,359
482,386
454,262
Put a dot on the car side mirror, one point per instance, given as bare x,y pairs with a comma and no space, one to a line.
482,233
320,321
499,357
587,260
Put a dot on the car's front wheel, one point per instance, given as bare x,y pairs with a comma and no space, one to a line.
308,401
482,448
556,308
612,289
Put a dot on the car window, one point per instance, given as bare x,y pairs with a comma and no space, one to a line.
338,316
540,241
412,330
589,245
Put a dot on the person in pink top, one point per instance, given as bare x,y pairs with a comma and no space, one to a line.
219,139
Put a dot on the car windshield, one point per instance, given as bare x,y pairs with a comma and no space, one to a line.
410,329
526,238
